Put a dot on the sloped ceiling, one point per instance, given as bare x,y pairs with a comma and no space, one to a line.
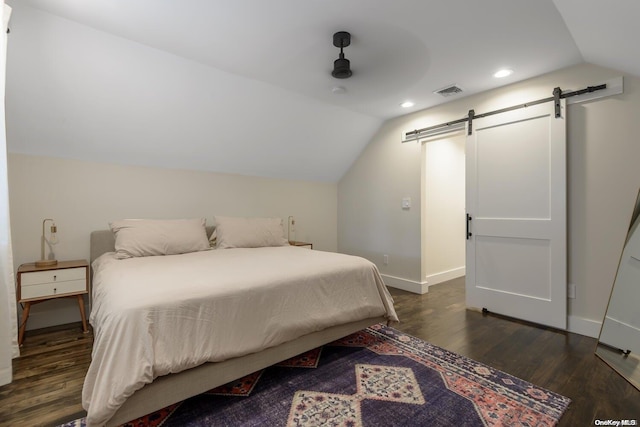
606,33
245,86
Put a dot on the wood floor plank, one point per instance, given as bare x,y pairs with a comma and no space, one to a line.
48,376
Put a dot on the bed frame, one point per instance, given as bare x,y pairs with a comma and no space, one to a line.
173,388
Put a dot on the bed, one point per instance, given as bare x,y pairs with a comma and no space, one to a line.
135,370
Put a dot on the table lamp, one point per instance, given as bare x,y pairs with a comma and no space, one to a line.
43,262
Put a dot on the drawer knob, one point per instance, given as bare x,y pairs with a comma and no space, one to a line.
55,277
55,290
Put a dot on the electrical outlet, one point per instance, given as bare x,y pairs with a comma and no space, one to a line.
385,259
571,290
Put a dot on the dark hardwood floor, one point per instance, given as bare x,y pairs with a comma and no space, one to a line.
48,376
556,360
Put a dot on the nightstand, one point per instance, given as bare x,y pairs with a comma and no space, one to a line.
301,244
66,279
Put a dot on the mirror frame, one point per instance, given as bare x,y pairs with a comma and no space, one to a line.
618,359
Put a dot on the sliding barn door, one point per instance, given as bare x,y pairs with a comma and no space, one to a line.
516,203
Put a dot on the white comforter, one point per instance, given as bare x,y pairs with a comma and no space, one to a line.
158,315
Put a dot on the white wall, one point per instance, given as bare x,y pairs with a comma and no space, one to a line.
603,181
84,196
371,221
443,209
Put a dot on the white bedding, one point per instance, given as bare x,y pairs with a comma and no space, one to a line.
158,315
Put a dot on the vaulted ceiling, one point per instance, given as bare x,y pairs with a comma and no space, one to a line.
274,111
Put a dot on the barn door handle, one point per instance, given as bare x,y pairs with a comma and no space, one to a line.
469,233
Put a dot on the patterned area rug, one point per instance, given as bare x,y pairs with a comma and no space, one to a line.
376,377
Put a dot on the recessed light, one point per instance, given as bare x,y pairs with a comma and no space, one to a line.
505,72
338,90
407,104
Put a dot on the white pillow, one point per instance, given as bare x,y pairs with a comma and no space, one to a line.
232,232
149,237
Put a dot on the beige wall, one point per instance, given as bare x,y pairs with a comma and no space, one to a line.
603,180
84,196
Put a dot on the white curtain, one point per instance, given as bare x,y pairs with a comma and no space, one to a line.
8,317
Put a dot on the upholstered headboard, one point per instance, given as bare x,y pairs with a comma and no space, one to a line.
102,241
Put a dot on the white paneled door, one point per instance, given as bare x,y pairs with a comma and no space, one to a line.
516,255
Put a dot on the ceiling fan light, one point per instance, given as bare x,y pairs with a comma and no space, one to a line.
341,68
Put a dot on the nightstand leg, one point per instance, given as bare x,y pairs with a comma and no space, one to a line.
85,329
23,324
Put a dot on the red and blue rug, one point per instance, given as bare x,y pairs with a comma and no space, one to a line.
376,377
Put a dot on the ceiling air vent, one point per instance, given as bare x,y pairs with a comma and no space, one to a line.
449,90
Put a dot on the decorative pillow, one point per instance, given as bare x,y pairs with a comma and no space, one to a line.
148,237
232,232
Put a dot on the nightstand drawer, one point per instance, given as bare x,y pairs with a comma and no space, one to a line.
53,276
53,289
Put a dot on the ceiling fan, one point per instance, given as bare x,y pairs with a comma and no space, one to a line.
341,66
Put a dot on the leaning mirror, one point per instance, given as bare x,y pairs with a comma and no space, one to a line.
619,342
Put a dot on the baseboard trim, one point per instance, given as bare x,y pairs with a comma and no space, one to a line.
405,284
443,276
582,326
